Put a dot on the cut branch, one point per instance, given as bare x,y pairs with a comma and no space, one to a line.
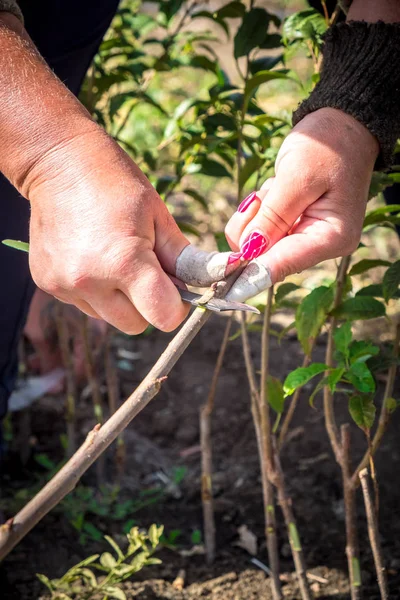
102,436
206,453
374,538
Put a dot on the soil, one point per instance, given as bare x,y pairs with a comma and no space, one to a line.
166,436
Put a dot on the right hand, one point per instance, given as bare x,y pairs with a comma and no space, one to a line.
101,237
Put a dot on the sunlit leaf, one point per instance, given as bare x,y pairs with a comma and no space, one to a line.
301,376
24,246
275,394
343,337
311,315
360,377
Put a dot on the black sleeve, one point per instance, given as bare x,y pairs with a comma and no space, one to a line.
360,75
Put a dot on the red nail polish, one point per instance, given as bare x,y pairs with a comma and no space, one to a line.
253,246
244,205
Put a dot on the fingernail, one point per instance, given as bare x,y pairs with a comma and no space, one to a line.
234,257
254,245
244,205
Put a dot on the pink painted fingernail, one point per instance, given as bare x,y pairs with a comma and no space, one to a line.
254,245
234,257
244,205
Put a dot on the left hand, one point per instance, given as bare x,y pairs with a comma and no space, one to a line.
313,209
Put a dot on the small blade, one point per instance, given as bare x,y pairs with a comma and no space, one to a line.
216,304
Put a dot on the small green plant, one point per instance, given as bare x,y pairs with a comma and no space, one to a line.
82,583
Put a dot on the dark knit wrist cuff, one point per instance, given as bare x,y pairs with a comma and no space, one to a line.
360,75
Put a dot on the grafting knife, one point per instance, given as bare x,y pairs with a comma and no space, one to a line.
216,304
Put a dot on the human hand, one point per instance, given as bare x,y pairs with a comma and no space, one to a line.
313,209
100,236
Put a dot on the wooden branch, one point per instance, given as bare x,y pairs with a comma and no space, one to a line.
66,357
102,436
206,453
267,488
374,537
352,546
385,414
330,422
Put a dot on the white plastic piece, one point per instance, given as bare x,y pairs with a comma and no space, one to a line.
33,388
255,279
199,268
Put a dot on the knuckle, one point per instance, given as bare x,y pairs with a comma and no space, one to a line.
270,215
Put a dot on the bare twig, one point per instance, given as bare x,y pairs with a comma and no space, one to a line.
373,533
297,552
66,357
385,414
90,368
352,547
102,436
113,394
206,453
330,422
292,407
268,491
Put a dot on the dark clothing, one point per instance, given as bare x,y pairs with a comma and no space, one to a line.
67,33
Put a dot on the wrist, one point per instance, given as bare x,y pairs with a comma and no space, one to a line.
37,112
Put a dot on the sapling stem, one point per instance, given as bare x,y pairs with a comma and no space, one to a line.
352,546
385,413
94,388
113,394
102,436
268,492
66,357
330,422
291,410
267,458
206,453
373,533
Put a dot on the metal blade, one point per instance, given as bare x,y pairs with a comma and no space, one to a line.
216,304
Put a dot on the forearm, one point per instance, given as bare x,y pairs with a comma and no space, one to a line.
37,112
372,11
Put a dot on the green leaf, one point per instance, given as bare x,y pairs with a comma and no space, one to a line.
361,351
46,581
115,546
252,31
391,405
272,40
275,394
343,337
155,534
360,307
114,592
311,315
265,63
93,531
251,166
294,537
303,25
107,560
366,264
283,290
24,246
212,168
375,289
362,411
391,281
301,376
232,10
361,377
221,241
334,377
255,81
